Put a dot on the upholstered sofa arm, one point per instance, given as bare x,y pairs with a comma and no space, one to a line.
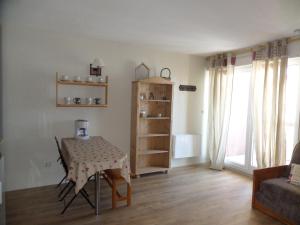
260,175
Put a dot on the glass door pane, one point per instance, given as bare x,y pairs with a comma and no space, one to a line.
238,127
292,106
291,109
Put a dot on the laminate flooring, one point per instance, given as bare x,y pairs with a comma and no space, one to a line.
185,196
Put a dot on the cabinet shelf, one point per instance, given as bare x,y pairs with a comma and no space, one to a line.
153,135
149,152
155,118
151,169
155,100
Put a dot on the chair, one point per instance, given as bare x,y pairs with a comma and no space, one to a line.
59,160
274,195
71,184
113,178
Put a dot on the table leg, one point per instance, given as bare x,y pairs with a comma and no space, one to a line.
97,194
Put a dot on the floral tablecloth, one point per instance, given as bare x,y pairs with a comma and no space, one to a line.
86,157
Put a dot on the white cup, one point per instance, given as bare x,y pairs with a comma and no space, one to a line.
64,77
77,78
100,79
89,100
67,100
89,79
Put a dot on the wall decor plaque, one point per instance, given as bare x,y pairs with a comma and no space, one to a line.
187,87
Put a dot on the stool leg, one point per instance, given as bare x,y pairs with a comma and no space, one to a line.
114,194
128,195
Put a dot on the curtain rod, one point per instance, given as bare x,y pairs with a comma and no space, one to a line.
249,49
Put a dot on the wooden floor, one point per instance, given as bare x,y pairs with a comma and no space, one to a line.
185,196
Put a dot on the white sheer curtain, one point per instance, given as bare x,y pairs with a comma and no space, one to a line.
268,103
221,72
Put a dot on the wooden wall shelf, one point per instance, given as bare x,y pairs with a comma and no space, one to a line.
82,105
83,84
151,136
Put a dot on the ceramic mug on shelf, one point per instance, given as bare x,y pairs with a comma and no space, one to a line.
89,79
89,100
64,77
67,100
77,100
97,101
100,79
77,78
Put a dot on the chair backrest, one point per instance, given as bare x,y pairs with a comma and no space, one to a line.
63,162
296,154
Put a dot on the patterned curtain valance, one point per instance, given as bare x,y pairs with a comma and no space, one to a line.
274,49
221,60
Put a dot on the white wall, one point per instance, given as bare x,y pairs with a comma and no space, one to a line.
30,59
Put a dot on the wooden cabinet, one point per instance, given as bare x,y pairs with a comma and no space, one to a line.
151,130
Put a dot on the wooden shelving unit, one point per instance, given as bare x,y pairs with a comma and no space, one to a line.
60,103
151,135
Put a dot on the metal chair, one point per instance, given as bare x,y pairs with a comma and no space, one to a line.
59,160
71,184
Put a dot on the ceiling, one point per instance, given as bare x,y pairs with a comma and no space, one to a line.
188,26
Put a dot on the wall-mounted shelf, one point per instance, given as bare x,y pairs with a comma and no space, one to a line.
82,83
104,85
81,105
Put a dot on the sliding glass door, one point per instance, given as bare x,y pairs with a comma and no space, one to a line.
292,106
238,150
240,153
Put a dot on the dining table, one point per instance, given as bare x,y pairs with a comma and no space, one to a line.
86,158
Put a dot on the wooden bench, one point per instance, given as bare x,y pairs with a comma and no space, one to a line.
113,178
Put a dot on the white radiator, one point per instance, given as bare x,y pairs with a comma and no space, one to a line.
186,145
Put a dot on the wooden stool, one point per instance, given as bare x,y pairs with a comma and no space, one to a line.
113,178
